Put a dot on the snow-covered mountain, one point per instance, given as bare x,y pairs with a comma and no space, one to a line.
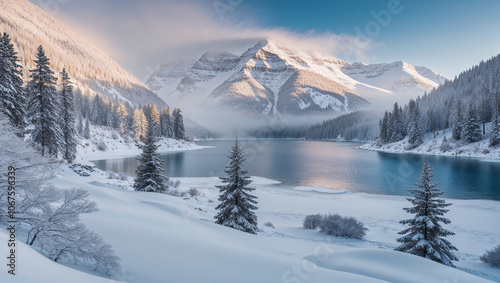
271,79
29,26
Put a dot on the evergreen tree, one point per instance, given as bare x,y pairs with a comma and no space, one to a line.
12,93
153,117
471,130
237,204
179,131
140,124
457,121
397,133
79,128
166,122
122,113
149,177
68,118
425,236
416,133
86,131
495,128
44,106
383,129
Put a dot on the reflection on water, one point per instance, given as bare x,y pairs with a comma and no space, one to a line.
333,165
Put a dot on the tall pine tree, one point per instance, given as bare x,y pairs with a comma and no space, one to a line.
166,122
471,130
425,237
457,121
68,118
179,131
86,130
237,204
43,106
149,177
12,93
384,128
495,127
416,132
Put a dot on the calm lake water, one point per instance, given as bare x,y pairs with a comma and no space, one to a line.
338,165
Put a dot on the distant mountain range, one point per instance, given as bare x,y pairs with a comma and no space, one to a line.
270,79
93,71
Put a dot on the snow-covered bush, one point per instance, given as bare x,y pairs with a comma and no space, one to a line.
115,135
341,226
445,145
101,145
492,257
269,224
193,192
117,176
127,138
312,221
176,193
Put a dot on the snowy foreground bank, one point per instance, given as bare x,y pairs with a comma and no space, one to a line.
436,146
161,238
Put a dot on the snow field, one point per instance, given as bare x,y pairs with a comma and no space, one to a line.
161,238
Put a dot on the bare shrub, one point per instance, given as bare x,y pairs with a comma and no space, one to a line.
492,257
101,145
312,221
340,226
193,192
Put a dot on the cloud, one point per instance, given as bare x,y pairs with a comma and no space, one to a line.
142,35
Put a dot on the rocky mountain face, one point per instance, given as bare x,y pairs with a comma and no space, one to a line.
270,79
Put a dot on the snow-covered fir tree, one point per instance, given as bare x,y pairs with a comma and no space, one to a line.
495,127
425,237
43,106
79,127
68,118
415,134
140,124
153,117
122,113
397,126
179,131
12,93
383,128
237,206
149,173
166,122
471,130
86,131
457,121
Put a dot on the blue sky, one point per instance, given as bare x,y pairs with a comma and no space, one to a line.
447,36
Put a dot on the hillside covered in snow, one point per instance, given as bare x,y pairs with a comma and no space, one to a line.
163,238
459,118
93,71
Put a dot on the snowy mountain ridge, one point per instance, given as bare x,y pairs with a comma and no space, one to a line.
91,70
272,79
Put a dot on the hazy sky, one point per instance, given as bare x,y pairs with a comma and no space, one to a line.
448,36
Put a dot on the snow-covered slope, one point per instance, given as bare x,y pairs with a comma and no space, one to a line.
438,146
29,26
272,79
161,238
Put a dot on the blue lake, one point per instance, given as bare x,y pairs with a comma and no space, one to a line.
339,165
